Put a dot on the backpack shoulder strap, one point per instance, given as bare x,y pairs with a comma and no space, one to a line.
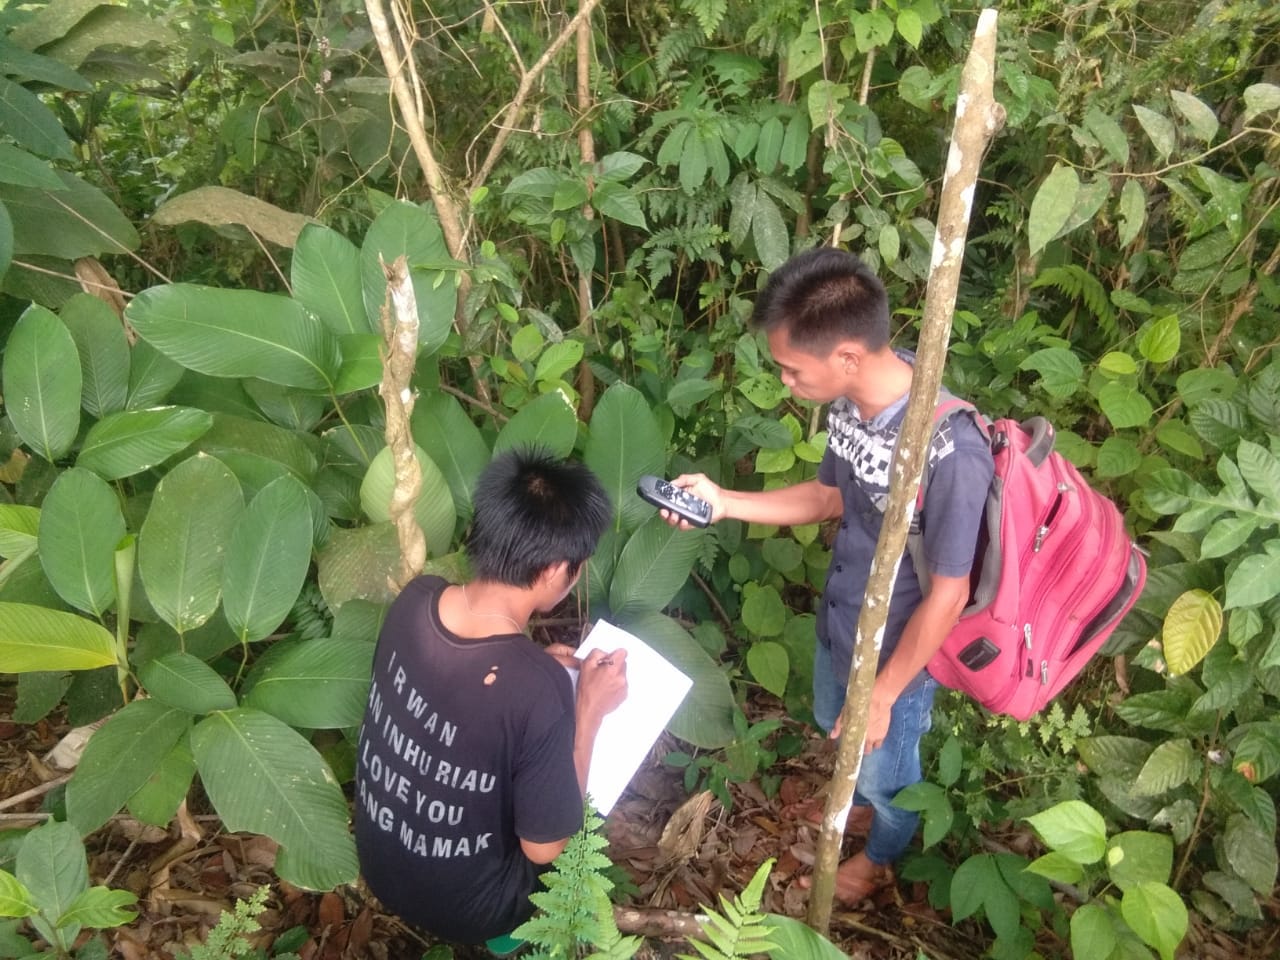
948,406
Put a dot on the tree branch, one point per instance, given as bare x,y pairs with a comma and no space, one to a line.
527,80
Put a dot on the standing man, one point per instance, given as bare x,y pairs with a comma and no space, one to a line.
473,756
826,316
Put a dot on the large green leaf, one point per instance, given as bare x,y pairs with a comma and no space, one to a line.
361,362
624,444
33,125
549,422
286,407
1251,852
1156,914
100,907
292,448
1256,580
157,800
151,376
77,221
769,231
409,230
1191,628
1051,207
237,333
263,776
705,718
1073,828
653,565
104,353
52,866
41,382
1171,764
359,563
433,508
120,757
19,527
317,684
267,559
1261,469
326,279
6,240
187,683
37,638
1139,856
183,540
80,527
15,899
444,431
792,939
125,443
21,62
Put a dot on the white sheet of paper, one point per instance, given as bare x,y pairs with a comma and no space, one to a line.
655,689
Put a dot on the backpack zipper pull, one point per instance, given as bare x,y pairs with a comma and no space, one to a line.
1041,533
1026,635
1044,673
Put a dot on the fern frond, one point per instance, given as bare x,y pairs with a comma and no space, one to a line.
741,930
708,13
675,47
574,910
311,617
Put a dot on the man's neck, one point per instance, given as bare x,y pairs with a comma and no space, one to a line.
883,378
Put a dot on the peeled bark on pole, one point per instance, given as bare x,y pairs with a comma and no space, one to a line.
399,351
587,154
978,118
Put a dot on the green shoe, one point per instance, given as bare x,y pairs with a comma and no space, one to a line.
503,946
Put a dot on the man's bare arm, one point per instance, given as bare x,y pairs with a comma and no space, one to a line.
807,502
922,637
602,686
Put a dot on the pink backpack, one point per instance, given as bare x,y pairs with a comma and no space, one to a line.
1053,574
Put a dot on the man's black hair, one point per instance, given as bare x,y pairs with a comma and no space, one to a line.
533,510
821,297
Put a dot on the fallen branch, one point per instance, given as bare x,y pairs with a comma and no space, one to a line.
39,790
660,923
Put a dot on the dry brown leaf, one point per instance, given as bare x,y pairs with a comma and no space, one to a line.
683,833
222,206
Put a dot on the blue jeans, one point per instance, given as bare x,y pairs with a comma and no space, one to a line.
895,764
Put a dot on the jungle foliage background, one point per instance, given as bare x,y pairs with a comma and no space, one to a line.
195,499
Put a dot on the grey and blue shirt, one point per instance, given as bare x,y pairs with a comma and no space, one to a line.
857,461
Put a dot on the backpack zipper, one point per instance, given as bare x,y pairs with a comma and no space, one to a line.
1043,530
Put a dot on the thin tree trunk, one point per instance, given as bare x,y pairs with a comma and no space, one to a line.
399,352
587,153
978,117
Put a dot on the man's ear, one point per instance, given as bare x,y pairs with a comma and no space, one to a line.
555,577
849,354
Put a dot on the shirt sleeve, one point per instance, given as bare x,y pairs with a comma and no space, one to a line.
547,804
954,502
827,468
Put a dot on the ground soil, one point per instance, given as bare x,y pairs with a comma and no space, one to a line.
187,875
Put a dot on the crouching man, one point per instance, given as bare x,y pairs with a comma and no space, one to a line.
473,755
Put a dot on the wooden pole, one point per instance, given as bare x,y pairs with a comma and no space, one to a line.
399,351
978,118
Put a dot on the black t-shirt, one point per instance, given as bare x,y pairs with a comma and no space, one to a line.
453,768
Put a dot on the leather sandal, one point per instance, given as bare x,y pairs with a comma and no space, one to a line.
851,891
